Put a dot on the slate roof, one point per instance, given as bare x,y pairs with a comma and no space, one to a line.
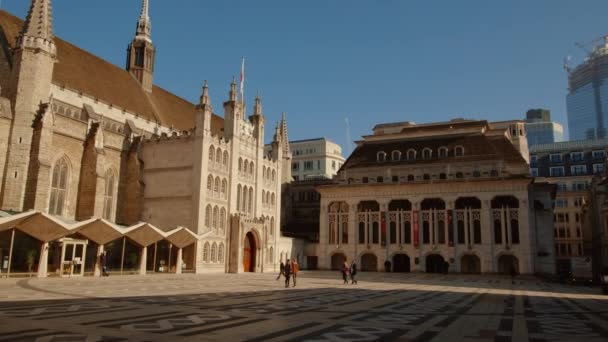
80,70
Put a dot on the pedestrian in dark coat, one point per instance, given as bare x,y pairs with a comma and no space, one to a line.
281,270
287,272
103,261
353,272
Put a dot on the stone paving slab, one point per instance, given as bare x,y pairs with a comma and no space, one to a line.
257,307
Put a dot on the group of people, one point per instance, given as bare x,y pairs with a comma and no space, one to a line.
289,270
349,270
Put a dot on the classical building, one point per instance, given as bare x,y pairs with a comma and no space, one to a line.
315,159
452,196
540,129
571,166
94,157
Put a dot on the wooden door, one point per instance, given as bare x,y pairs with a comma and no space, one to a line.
247,255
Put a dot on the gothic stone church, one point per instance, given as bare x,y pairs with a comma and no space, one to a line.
94,157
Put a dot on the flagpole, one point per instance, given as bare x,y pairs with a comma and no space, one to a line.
243,80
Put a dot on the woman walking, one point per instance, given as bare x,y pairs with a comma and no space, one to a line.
353,272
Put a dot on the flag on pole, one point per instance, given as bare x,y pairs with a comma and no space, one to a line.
243,81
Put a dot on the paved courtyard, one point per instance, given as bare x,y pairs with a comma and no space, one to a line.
255,307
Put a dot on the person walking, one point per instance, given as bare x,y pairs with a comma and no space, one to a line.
287,272
345,272
353,272
295,268
281,270
103,263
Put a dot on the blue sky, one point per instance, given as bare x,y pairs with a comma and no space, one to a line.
371,61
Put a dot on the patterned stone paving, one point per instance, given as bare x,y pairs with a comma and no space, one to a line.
256,307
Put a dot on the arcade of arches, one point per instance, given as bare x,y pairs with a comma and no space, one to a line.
431,234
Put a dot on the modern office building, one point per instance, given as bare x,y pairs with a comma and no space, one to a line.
587,99
540,129
571,166
452,196
315,159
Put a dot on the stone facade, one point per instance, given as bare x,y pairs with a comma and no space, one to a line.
453,196
82,139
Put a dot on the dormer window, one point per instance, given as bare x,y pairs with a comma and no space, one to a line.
396,155
443,152
411,154
381,156
427,153
459,151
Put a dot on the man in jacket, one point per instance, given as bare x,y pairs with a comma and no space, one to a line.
287,272
295,268
281,270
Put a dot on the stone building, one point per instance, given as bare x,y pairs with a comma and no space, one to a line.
570,166
452,196
315,159
82,140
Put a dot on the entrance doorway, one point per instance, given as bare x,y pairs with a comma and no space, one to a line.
401,263
470,264
507,264
337,261
369,263
249,253
73,255
435,264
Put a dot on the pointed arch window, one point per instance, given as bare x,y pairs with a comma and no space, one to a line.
251,167
210,183
240,164
216,214
59,187
226,156
206,252
224,188
108,197
220,253
208,216
214,252
218,156
250,203
222,220
238,197
216,186
211,153
274,175
244,204
272,200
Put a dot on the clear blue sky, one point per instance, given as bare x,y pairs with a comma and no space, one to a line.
371,61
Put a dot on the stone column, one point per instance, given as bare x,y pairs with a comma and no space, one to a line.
97,271
43,262
487,238
178,263
143,261
526,258
353,229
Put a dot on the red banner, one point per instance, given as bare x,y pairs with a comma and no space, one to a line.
416,231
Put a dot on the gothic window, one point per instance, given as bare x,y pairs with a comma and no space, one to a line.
477,232
459,151
443,152
272,226
251,167
214,253
461,236
393,232
268,198
238,198
407,236
272,200
426,233
441,232
220,253
345,233
222,220
263,197
211,153
206,252
264,172
274,175
216,187
244,204
514,231
216,214
361,232
497,232
427,153
250,204
226,156
411,154
208,216
224,188
375,233
332,233
210,183
59,187
218,156
108,198
240,164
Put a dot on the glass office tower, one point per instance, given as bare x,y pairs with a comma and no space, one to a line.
587,99
540,129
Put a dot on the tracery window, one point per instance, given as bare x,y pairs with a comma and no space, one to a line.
59,187
108,198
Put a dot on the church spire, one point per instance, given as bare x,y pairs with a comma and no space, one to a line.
144,24
38,27
283,132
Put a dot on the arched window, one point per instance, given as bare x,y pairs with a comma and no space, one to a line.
272,226
222,220
411,154
238,197
250,204
218,156
240,164
210,183
108,197
216,187
224,188
211,153
396,155
208,216
274,175
225,161
214,252
443,152
459,151
381,156
216,214
244,203
264,172
427,153
272,199
268,198
206,252
220,253
59,187
251,167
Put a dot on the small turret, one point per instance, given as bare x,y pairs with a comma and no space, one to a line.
204,111
204,100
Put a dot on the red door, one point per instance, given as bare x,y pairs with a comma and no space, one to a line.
247,255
